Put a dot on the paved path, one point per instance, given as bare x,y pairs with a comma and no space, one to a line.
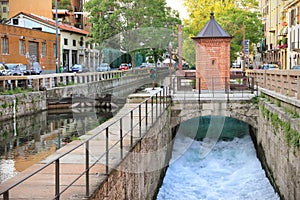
42,185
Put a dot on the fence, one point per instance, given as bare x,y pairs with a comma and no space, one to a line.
138,119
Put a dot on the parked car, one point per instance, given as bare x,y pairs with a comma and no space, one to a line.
296,67
77,68
4,71
143,65
270,66
103,67
123,66
17,69
35,69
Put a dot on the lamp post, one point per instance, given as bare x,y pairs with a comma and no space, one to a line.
56,37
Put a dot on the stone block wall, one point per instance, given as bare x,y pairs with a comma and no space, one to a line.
21,104
140,174
278,143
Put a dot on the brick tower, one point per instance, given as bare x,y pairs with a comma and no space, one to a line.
212,56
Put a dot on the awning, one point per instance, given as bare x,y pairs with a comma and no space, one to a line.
284,31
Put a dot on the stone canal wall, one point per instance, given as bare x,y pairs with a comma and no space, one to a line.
31,102
21,104
277,142
140,174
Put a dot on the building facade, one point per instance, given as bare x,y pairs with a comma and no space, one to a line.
281,44
23,45
4,10
40,7
74,46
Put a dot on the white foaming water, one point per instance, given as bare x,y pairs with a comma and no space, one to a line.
231,171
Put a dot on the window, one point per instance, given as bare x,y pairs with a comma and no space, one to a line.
22,47
4,9
65,41
74,43
4,43
44,49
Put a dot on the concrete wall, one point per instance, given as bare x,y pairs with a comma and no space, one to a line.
140,174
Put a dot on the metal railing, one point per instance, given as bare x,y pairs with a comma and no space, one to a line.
215,87
157,102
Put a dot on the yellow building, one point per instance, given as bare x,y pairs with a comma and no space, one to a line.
38,7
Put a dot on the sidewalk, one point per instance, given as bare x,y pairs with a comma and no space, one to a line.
42,185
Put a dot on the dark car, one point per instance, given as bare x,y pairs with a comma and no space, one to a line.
123,66
103,67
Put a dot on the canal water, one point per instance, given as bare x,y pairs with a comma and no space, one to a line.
229,170
29,139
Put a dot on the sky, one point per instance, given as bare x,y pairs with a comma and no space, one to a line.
178,5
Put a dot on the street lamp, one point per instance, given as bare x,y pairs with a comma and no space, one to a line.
56,37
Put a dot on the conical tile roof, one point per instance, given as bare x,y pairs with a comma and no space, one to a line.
212,29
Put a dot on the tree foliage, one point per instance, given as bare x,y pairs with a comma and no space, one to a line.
131,25
239,19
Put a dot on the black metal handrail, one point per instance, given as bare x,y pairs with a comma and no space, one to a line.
164,101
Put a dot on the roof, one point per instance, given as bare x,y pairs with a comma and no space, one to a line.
51,22
212,29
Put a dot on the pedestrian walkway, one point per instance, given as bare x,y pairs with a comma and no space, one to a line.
116,135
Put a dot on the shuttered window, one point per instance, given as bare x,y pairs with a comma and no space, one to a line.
4,43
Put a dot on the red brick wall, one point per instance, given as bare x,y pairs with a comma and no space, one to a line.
212,63
15,34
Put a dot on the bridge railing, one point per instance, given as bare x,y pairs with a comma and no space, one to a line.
41,82
139,119
218,87
285,82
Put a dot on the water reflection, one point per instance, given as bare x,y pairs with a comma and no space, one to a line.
27,140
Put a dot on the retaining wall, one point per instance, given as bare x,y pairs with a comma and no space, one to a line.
140,174
277,141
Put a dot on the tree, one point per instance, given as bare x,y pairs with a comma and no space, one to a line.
237,18
130,25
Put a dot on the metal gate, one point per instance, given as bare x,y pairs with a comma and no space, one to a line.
34,51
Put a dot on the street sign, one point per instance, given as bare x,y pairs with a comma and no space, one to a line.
245,45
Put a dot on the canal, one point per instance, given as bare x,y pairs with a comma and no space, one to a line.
29,139
228,170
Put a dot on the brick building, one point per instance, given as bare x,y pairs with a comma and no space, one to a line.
23,45
212,56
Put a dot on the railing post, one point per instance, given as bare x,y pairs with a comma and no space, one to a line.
156,107
160,102
131,128
140,120
57,179
227,87
107,151
6,195
121,138
87,168
151,110
146,113
199,89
